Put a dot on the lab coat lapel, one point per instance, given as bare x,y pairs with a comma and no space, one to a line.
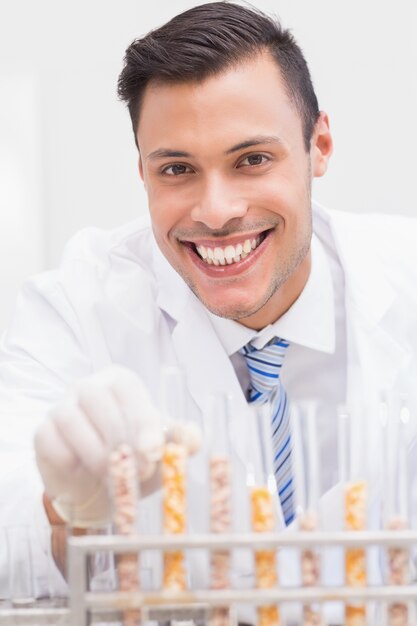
207,368
374,354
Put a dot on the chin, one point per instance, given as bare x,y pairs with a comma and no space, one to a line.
232,311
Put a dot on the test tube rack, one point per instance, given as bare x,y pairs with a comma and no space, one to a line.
87,607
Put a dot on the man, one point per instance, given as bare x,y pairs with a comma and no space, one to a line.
230,137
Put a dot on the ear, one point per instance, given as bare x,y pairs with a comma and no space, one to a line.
321,146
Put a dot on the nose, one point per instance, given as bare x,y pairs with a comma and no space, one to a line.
218,202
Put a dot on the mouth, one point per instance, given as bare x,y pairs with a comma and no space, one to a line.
214,254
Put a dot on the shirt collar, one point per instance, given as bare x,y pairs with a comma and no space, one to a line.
309,322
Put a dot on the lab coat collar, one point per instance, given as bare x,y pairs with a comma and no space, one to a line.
366,287
174,296
172,293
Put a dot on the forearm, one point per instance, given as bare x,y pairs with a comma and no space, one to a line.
60,531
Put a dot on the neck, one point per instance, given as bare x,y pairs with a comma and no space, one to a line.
282,299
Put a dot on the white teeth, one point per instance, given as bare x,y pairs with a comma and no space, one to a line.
229,252
228,255
202,252
247,246
219,254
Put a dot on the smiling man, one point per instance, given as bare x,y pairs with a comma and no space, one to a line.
228,175
238,278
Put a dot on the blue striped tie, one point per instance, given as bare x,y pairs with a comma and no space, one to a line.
264,369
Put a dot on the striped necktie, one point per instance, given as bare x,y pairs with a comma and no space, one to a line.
264,370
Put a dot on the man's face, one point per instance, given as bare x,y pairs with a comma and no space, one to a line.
228,180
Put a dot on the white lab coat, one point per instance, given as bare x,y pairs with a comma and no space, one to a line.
115,299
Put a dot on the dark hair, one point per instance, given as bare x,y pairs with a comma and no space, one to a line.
206,40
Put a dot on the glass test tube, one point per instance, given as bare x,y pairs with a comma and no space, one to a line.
123,479
220,478
394,419
308,494
355,507
174,461
20,565
263,495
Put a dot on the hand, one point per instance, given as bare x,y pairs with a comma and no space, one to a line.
73,445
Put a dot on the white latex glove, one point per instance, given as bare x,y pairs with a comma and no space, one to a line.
73,445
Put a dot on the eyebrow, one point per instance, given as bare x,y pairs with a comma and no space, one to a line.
254,141
163,153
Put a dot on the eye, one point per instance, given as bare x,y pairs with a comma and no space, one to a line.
252,160
176,169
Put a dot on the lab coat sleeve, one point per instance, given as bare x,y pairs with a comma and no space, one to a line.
40,355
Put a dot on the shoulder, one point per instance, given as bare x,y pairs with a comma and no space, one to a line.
96,246
98,264
385,234
374,249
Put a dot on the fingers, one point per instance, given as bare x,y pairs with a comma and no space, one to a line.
101,412
101,408
143,423
54,457
62,472
139,419
120,406
80,436
115,406
187,434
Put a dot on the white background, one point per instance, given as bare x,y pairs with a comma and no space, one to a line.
67,156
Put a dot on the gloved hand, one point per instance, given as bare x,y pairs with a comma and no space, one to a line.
73,445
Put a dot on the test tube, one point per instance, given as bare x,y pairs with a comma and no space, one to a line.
355,507
220,478
20,565
394,420
263,500
174,461
304,421
123,479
